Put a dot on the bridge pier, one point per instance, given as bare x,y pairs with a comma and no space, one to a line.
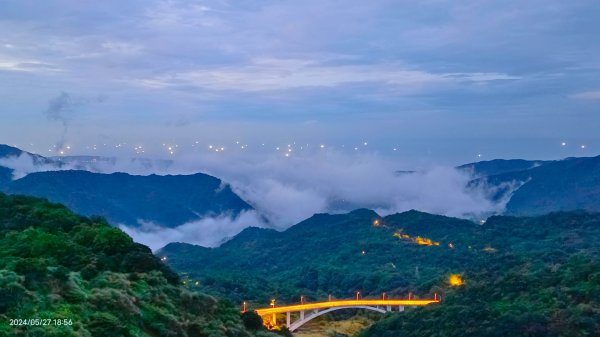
302,315
400,308
388,308
288,319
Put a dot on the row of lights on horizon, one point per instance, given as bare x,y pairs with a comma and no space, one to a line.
562,144
173,149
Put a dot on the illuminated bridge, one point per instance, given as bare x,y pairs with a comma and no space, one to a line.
309,311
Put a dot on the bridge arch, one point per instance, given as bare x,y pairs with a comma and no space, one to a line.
309,311
294,326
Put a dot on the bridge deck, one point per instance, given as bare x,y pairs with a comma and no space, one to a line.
342,303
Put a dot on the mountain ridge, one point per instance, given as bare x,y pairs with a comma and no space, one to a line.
123,198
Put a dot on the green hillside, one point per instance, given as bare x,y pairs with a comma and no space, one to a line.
58,267
523,276
333,254
546,285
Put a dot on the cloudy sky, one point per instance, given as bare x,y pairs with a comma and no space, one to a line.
450,81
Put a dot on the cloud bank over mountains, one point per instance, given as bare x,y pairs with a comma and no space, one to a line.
286,190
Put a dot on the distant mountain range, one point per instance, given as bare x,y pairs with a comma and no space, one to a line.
545,186
499,166
123,198
531,187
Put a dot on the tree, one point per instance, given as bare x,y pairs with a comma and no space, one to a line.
252,320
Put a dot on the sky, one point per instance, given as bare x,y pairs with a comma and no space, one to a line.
423,81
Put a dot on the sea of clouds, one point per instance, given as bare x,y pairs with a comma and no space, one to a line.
286,190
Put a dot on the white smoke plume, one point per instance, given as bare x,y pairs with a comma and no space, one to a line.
63,107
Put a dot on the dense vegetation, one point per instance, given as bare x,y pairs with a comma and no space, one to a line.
320,256
523,276
545,284
332,254
55,264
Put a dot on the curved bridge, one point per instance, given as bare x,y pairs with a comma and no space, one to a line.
320,308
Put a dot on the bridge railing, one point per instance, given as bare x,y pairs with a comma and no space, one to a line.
384,301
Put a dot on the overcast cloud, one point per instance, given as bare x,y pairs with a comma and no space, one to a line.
447,79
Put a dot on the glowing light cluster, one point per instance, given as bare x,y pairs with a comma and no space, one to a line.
287,149
456,280
425,241
419,240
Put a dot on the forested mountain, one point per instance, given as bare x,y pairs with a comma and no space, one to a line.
563,185
522,276
543,280
123,198
62,275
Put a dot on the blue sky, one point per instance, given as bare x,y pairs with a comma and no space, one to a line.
441,80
